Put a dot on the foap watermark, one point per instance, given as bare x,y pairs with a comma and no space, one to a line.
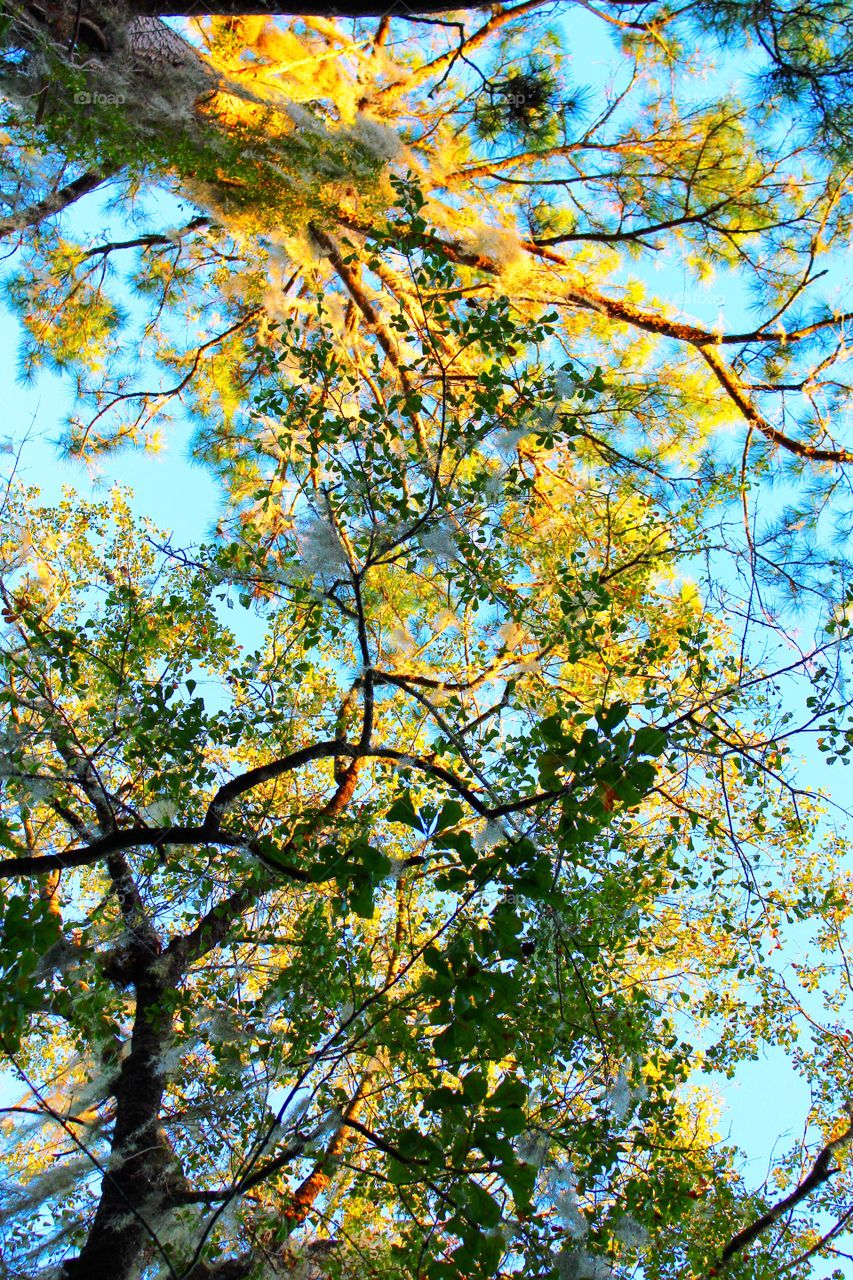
83,98
509,96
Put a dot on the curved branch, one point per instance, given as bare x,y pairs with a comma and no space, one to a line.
209,831
130,838
820,1172
703,340
730,383
54,203
229,791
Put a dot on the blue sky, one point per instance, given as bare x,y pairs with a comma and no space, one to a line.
179,497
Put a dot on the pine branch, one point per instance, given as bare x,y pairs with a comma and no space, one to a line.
52,204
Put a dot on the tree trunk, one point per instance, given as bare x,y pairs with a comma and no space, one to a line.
139,1164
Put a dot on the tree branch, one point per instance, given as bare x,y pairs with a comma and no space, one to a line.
130,838
730,383
819,1173
54,203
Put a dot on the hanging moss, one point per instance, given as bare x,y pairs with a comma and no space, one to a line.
241,156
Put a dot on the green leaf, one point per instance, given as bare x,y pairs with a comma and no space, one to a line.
511,1092
360,898
608,718
403,811
482,1208
649,741
474,1086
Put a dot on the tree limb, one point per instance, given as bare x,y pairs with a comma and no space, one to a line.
54,203
819,1173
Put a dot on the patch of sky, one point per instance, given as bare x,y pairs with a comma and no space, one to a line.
179,497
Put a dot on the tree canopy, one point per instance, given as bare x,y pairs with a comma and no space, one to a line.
381,874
